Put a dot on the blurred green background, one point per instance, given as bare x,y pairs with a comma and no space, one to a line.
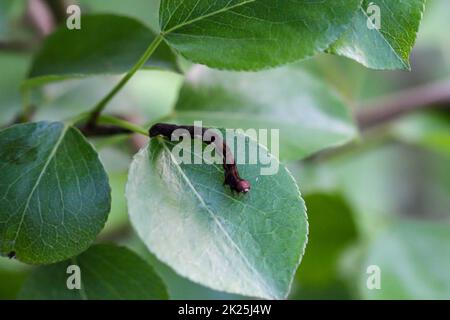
382,200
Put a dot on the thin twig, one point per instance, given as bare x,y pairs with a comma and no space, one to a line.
17,46
100,106
383,110
40,17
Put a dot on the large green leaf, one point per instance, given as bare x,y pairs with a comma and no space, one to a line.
144,10
247,244
309,114
388,47
106,44
178,287
414,262
107,272
54,192
253,34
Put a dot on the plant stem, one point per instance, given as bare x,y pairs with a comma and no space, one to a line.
78,118
122,124
26,105
386,109
97,110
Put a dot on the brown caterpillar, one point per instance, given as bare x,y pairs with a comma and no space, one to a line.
232,178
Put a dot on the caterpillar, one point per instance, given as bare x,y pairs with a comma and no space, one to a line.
232,178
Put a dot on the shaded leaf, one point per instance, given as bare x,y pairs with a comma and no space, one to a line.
143,10
107,272
106,44
253,34
247,244
308,113
54,192
388,47
331,230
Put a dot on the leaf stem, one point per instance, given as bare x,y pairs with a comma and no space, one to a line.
26,101
383,110
105,119
98,108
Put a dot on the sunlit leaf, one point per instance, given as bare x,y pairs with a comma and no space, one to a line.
253,34
106,44
250,244
309,115
388,47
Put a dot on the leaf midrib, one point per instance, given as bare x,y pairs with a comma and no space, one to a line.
188,22
38,181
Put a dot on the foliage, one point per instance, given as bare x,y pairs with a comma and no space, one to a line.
57,175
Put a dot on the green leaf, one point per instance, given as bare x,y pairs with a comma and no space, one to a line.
253,34
106,44
308,113
247,244
12,276
414,262
331,230
107,272
388,47
178,287
54,192
142,10
14,68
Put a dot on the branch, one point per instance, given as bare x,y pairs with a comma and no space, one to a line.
17,46
380,111
58,9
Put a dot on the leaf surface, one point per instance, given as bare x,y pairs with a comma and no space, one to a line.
106,44
253,34
250,244
54,192
388,47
